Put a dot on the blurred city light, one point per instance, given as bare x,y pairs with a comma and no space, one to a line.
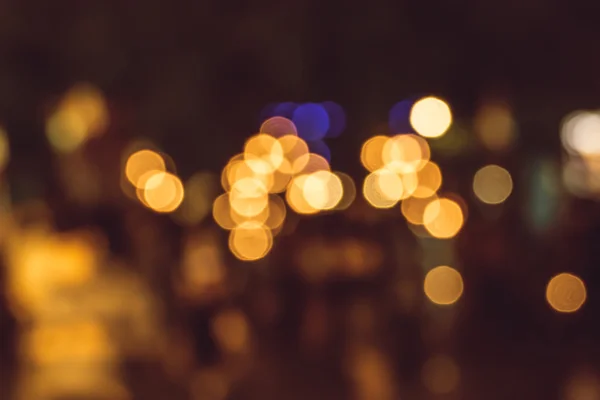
443,285
80,115
492,184
495,126
580,133
566,293
140,163
430,117
4,149
371,154
440,374
163,192
311,120
443,218
250,241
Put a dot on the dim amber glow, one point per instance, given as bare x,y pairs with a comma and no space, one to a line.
382,188
231,331
495,126
250,241
348,191
405,153
248,197
371,154
429,180
140,163
266,148
278,127
81,114
200,191
163,192
566,293
430,117
4,149
443,285
79,341
580,133
492,184
440,374
443,218
413,209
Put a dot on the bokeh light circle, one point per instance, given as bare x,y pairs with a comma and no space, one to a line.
443,218
492,184
250,241
311,120
566,293
430,117
443,285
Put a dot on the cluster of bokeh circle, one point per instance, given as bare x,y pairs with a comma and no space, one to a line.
287,165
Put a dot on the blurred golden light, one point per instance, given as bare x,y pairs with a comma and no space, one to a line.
322,190
295,151
566,293
492,184
248,197
440,374
230,329
495,126
309,163
4,148
200,191
413,209
371,154
348,191
443,218
582,385
278,127
140,163
277,212
580,133
163,192
256,169
81,114
382,188
225,173
78,342
430,117
250,241
295,196
443,285
405,153
429,180
222,212
202,266
410,184
264,147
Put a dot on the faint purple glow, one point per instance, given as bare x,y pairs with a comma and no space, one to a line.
399,117
337,119
320,147
312,121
